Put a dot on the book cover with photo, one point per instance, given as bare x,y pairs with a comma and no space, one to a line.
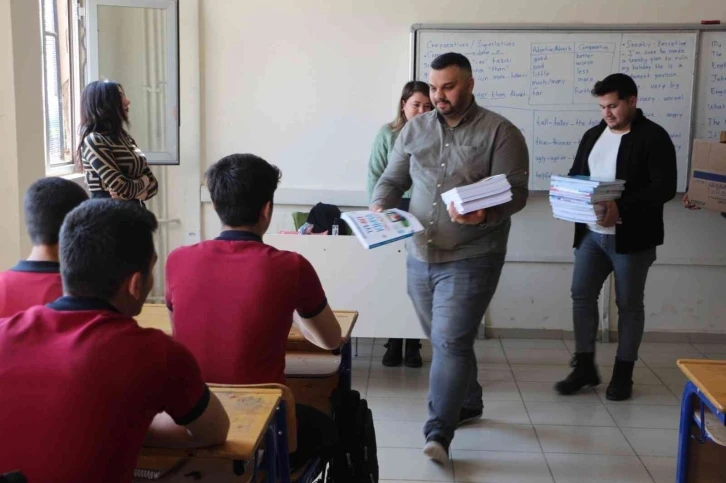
377,229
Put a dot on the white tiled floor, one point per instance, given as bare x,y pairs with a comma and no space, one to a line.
529,433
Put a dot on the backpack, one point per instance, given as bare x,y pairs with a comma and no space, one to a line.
355,459
322,217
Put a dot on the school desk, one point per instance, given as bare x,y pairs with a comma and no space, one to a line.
707,382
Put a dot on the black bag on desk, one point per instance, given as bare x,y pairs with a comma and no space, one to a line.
323,217
356,457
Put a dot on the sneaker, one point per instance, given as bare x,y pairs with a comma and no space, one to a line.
437,450
467,415
394,353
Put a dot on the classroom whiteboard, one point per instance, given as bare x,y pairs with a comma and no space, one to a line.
711,91
541,81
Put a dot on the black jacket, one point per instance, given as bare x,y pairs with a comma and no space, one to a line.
647,163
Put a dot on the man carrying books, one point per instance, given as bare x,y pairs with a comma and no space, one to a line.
629,147
454,264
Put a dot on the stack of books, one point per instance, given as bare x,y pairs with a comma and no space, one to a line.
576,198
481,195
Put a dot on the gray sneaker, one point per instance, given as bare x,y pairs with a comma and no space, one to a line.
437,450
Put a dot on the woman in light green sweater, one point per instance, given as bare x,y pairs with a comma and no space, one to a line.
414,101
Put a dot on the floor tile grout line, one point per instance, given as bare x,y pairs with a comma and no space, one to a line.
698,350
541,448
599,397
539,442
563,453
631,445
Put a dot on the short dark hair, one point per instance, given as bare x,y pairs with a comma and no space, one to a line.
623,84
452,58
46,203
102,243
240,185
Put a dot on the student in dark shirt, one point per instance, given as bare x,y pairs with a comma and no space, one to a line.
37,280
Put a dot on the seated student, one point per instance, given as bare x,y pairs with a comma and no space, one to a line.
232,299
81,382
37,281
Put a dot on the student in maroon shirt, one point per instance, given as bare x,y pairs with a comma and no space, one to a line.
232,299
82,386
37,280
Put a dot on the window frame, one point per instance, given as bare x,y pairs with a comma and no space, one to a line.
53,165
171,110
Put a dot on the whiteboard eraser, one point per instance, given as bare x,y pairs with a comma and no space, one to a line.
710,22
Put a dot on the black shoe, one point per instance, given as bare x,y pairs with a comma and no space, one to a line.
621,384
394,353
467,415
413,353
584,374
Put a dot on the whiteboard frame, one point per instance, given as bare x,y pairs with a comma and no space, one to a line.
696,29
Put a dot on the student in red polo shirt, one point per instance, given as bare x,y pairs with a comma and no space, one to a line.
232,299
37,281
80,381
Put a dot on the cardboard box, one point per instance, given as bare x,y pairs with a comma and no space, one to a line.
707,186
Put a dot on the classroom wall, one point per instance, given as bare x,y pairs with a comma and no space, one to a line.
10,242
258,75
308,84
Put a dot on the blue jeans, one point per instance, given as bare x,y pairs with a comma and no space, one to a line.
595,259
450,300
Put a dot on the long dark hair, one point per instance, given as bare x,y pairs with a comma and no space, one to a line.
411,88
102,111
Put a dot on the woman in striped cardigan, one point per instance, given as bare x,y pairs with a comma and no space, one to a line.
113,165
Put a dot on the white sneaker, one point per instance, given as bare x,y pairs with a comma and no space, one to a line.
436,452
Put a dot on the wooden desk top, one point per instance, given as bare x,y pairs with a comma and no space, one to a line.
250,411
346,319
709,376
156,316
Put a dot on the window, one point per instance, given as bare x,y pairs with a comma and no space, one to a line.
133,42
60,81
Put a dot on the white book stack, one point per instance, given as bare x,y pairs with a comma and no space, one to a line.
481,195
576,198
